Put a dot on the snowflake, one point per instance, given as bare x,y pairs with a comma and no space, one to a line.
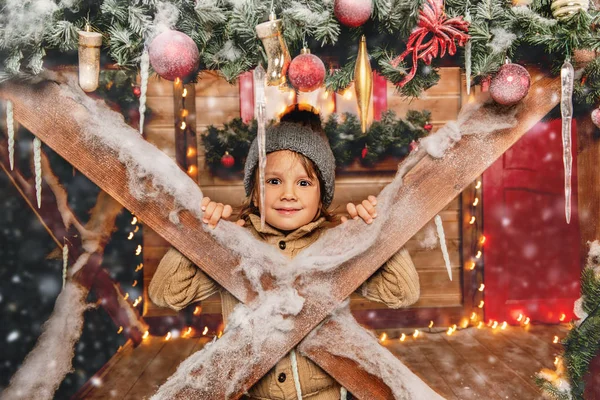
14,335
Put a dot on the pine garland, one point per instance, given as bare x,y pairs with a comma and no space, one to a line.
225,34
390,136
582,344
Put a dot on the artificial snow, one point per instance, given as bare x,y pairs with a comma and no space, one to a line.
501,40
46,365
429,240
363,347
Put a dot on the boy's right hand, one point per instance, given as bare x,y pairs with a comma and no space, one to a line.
213,212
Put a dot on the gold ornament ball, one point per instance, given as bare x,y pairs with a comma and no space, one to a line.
563,9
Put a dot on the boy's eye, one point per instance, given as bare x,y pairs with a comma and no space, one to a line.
273,181
304,183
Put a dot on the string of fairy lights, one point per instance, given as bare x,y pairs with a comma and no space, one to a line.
473,264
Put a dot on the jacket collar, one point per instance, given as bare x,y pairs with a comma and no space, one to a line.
268,230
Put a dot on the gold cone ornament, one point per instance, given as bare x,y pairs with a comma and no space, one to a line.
278,56
89,59
363,83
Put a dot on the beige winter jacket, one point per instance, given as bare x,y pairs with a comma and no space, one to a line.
178,283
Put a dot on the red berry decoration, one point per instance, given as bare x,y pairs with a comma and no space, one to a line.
364,152
510,84
227,160
413,146
137,91
428,127
353,13
306,72
173,55
596,117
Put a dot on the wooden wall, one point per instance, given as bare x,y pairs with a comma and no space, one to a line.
218,102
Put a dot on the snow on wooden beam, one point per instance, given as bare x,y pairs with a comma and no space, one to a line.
428,187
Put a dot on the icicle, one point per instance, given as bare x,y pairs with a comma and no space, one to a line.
442,236
65,250
10,124
144,67
37,162
260,108
566,109
467,18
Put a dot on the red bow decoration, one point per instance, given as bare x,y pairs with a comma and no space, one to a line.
433,19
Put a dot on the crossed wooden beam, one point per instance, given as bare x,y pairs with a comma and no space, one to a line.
47,112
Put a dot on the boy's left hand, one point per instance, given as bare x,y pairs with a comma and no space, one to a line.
365,210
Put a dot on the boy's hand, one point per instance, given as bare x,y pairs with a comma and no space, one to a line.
365,210
213,212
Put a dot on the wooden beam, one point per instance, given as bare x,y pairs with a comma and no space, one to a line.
430,185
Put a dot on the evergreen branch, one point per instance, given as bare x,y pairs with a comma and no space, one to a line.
63,35
340,79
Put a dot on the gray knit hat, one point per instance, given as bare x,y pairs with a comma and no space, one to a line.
301,139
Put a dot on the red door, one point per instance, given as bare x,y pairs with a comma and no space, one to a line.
532,254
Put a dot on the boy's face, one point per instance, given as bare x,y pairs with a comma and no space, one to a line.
292,198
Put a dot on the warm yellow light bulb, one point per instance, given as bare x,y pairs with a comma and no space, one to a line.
145,336
478,185
120,329
476,201
472,221
481,287
403,337
168,337
205,331
430,324
480,304
504,325
184,93
383,337
416,334
555,339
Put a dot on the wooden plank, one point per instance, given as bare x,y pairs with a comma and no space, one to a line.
409,352
161,367
463,379
429,186
501,378
543,351
120,373
509,354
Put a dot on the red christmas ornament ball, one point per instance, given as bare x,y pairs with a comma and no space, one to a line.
306,72
137,91
428,127
510,84
353,13
364,152
596,117
173,54
227,160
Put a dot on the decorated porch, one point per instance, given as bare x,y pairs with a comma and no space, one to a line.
474,181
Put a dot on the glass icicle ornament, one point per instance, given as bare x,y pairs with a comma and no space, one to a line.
260,113
144,67
567,74
65,251
89,59
10,126
37,162
278,56
468,62
442,236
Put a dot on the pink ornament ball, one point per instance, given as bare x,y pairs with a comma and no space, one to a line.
306,72
353,13
596,117
510,85
173,54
